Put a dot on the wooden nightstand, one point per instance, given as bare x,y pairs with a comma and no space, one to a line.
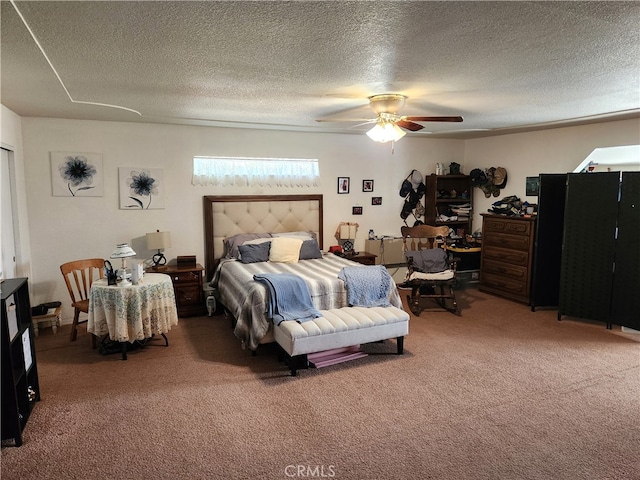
365,258
187,285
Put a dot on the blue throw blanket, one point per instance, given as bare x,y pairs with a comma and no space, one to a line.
289,297
367,286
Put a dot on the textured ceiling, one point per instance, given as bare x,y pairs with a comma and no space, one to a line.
503,66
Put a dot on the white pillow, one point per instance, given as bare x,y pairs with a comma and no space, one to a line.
285,249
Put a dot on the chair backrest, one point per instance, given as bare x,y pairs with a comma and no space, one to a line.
80,274
423,236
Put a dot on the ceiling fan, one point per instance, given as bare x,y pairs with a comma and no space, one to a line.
389,124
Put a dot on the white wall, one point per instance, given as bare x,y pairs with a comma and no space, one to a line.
68,228
11,139
524,155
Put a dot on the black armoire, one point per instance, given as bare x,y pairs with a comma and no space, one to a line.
600,261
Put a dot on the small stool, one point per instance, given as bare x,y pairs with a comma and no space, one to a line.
51,319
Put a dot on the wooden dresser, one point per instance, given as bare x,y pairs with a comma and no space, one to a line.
507,255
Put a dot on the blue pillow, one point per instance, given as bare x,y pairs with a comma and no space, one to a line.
254,252
231,243
310,250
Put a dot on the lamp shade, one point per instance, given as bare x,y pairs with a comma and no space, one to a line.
123,250
158,240
347,231
386,132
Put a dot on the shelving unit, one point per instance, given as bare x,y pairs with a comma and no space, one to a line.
437,202
20,387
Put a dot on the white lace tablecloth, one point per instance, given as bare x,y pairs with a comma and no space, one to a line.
132,313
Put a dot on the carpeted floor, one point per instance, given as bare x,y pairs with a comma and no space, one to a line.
498,393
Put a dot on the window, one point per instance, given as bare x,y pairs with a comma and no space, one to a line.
242,171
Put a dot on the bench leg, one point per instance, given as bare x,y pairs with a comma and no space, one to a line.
299,361
400,342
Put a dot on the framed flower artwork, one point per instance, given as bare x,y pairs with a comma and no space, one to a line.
141,188
75,174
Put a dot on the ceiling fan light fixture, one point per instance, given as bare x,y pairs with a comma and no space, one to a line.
385,132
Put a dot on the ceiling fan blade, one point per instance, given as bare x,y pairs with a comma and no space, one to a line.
414,127
337,119
433,119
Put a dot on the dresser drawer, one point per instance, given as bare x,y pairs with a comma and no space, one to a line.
504,255
183,278
514,272
504,285
507,241
504,225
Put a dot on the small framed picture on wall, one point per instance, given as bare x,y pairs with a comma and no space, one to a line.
356,210
376,200
367,185
343,184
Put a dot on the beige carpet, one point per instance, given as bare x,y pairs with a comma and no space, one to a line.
498,393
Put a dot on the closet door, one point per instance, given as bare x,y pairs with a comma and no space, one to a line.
588,245
545,283
625,306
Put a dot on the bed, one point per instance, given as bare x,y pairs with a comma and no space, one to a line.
244,298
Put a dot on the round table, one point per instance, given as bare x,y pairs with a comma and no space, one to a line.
136,312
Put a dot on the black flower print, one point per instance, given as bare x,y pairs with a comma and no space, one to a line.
142,185
78,172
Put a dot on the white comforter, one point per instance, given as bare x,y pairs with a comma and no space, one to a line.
246,299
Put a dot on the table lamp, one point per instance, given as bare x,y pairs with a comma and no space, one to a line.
348,236
123,251
158,241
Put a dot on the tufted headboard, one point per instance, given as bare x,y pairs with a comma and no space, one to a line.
230,214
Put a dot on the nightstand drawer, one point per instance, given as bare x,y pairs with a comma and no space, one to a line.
183,278
186,295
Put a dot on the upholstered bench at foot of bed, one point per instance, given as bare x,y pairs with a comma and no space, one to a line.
340,327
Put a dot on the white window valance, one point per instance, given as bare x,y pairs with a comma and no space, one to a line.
261,172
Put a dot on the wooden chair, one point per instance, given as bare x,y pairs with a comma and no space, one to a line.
430,274
78,276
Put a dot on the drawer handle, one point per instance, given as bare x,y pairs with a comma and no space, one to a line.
176,278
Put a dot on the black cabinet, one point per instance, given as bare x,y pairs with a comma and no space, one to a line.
20,388
545,281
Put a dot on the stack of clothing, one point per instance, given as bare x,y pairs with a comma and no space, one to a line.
462,211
